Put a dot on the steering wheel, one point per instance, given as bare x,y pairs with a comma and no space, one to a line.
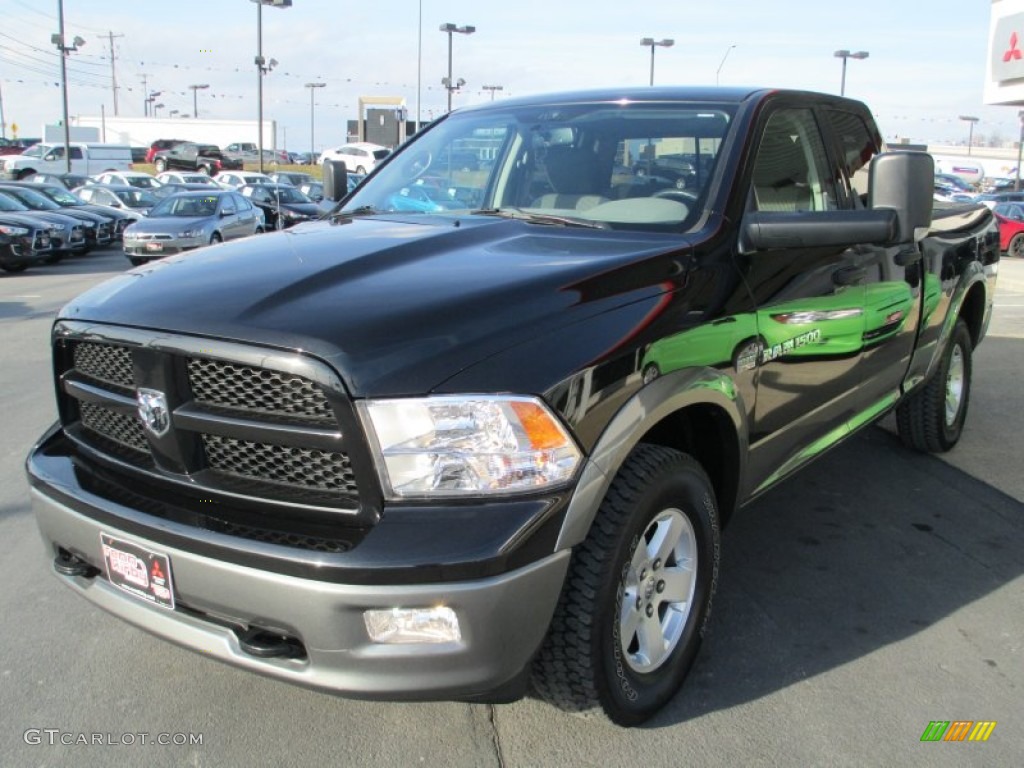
679,195
419,163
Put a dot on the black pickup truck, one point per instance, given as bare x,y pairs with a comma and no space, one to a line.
189,156
427,448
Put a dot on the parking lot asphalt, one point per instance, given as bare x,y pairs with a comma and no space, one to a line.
875,592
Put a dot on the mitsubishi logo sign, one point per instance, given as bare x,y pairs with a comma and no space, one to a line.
1013,52
1006,54
153,411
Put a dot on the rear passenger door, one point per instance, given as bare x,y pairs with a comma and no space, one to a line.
809,299
892,279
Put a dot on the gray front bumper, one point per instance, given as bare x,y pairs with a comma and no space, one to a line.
502,619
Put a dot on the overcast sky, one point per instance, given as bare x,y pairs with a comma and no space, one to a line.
926,64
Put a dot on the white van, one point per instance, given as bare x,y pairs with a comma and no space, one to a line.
86,159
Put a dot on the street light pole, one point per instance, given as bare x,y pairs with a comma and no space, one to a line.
970,120
261,70
58,40
492,89
844,55
650,41
312,121
195,100
450,29
419,69
1020,149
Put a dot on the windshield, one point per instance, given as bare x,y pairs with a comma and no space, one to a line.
190,206
10,204
621,165
32,199
290,195
143,182
135,198
36,150
62,196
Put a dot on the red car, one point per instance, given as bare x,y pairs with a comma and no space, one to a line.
1011,227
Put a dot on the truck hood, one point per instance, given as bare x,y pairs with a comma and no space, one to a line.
396,304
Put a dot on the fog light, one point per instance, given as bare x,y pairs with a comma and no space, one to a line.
413,625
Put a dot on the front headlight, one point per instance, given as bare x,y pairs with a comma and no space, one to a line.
462,445
9,229
190,233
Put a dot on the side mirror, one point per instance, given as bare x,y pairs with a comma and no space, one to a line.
903,182
335,180
227,212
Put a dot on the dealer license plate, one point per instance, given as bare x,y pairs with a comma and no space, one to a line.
138,571
154,246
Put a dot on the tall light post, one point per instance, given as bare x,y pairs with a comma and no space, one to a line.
58,40
149,101
844,55
652,44
419,68
492,89
155,108
262,67
970,120
195,100
722,64
450,86
312,120
1020,149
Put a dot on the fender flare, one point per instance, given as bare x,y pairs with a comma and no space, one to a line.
651,404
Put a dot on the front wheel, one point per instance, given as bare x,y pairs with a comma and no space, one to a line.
13,266
215,238
160,165
932,418
1016,245
638,592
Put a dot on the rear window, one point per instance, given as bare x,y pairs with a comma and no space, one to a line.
380,154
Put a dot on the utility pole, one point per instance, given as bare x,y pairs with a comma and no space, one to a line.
145,95
113,72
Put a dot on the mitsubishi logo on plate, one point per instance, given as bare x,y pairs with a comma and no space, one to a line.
153,411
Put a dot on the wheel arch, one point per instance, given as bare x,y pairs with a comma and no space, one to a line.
696,411
972,310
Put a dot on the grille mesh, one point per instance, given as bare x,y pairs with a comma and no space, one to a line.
305,467
105,362
233,385
122,429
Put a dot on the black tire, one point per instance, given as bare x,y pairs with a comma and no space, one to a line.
53,258
584,665
135,261
216,238
205,170
360,169
22,175
259,230
932,418
13,266
1016,245
160,165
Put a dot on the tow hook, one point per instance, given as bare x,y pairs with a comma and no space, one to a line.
264,644
67,564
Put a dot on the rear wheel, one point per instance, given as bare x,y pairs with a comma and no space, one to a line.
204,169
932,419
638,593
13,266
360,169
1016,246
160,165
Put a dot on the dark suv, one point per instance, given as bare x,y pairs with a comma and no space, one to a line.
190,156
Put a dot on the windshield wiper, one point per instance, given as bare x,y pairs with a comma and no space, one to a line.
541,218
363,210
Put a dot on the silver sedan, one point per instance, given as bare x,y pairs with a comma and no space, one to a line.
190,220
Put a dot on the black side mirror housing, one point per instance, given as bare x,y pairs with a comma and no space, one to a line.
335,180
904,182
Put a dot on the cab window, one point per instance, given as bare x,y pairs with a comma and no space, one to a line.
791,172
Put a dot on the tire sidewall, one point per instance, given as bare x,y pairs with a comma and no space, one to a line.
631,697
1016,245
962,338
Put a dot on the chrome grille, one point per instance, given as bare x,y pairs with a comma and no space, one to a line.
105,362
113,425
304,467
232,385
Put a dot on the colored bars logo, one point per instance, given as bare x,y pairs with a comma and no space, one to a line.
958,730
